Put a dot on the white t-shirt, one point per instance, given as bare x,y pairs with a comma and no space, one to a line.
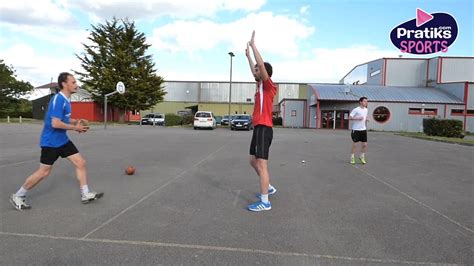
359,124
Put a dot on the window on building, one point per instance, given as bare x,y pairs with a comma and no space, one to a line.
457,112
423,111
414,111
381,114
293,112
470,112
430,111
374,73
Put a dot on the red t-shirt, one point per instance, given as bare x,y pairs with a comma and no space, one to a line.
263,109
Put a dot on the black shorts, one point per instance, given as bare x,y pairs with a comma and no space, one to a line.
49,154
359,135
261,140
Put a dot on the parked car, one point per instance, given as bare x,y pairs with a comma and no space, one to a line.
153,118
225,119
241,122
204,119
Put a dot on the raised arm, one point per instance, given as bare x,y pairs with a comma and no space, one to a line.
258,58
251,64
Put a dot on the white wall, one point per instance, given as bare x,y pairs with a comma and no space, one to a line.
312,117
373,66
288,91
409,73
433,72
293,121
181,91
470,106
457,69
470,100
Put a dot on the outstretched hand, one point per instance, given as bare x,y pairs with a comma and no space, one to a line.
247,51
252,40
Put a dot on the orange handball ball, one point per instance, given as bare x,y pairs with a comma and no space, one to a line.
130,170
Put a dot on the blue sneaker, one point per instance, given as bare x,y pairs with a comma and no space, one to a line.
270,192
259,206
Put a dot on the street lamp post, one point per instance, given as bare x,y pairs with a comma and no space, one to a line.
231,54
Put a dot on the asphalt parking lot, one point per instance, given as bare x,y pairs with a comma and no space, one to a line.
411,204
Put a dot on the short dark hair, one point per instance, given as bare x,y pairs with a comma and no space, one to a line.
362,99
268,68
62,78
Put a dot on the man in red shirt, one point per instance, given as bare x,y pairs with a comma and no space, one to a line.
263,125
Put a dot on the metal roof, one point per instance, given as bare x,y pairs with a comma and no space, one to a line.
48,86
341,92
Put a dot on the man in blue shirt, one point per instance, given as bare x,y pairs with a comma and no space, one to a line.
54,142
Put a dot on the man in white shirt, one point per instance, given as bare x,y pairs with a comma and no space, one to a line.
359,129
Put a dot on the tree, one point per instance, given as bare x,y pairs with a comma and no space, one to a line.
117,53
11,90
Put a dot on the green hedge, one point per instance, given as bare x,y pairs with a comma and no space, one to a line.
16,108
173,120
188,120
16,114
443,127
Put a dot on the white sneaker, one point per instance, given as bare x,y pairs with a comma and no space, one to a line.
19,202
90,196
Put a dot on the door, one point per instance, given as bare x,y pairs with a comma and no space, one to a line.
327,119
342,119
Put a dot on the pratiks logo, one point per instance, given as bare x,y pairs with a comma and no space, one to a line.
426,34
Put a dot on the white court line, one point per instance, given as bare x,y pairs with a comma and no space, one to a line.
415,200
151,193
13,164
236,198
16,154
223,249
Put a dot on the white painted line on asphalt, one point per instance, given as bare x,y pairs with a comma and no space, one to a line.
415,200
16,154
153,192
224,249
13,164
236,198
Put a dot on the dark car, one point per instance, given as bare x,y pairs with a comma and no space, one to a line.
241,122
225,119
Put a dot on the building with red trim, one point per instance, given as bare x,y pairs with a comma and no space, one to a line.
82,106
405,90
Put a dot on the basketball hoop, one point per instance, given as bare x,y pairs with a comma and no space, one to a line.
120,87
